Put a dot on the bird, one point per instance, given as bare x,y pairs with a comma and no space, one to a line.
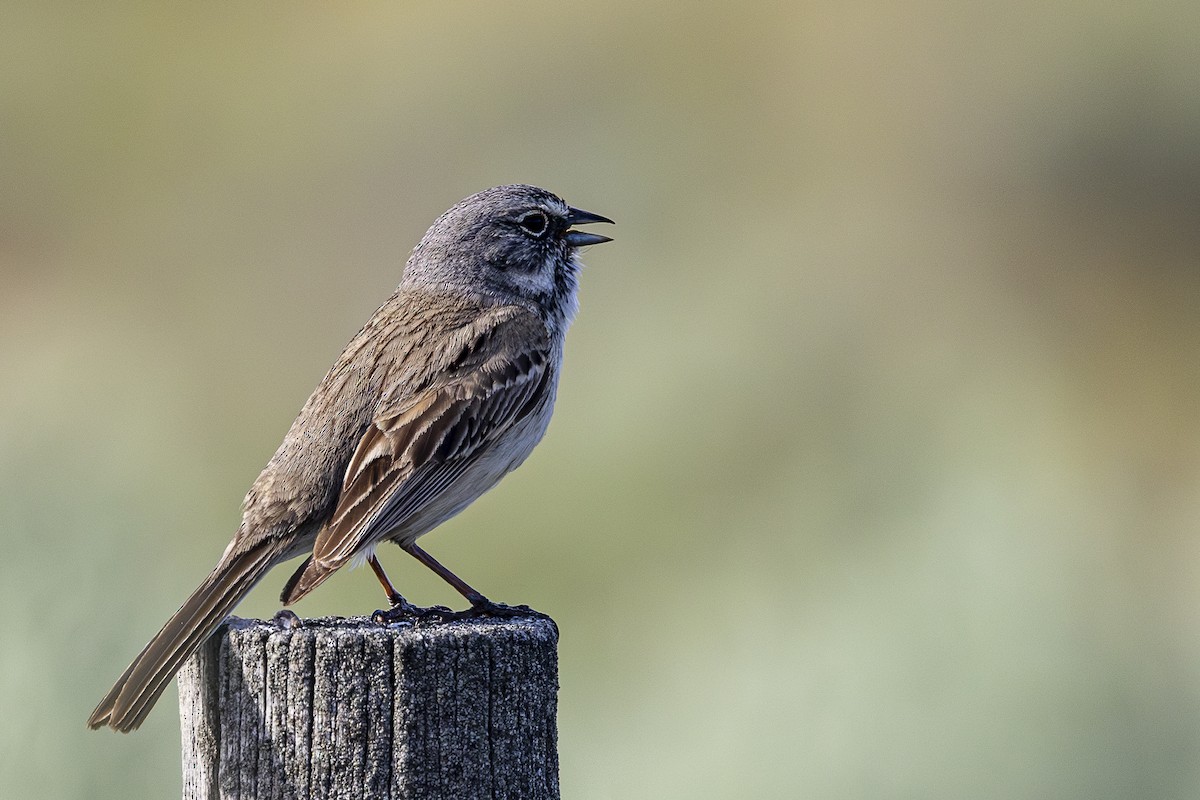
447,388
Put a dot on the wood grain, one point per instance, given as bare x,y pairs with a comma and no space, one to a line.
348,708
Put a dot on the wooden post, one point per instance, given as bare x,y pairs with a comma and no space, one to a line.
348,708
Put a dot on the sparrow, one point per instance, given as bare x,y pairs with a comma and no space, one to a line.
446,389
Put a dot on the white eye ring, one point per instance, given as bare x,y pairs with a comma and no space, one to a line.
534,223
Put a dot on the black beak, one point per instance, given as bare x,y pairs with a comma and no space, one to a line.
577,216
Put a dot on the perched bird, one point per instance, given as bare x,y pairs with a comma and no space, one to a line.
446,389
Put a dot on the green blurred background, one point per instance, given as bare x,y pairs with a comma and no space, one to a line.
875,470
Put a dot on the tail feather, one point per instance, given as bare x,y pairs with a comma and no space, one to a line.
126,705
310,575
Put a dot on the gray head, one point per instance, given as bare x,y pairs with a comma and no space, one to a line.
511,244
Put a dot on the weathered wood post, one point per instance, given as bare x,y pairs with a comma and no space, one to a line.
349,708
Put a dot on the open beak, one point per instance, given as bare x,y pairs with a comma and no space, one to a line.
577,216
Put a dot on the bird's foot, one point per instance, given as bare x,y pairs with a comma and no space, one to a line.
483,608
486,608
404,611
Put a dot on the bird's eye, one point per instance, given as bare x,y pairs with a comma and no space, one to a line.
534,223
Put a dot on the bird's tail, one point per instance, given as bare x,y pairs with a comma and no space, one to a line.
307,577
130,700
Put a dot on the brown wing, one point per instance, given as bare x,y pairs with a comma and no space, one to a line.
420,443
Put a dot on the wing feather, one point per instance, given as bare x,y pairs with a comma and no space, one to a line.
420,444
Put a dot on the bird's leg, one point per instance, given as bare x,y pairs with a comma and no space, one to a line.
393,596
460,586
400,607
480,605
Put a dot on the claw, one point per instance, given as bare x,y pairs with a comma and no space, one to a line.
501,611
403,611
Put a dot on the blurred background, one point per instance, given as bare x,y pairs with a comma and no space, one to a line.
875,470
